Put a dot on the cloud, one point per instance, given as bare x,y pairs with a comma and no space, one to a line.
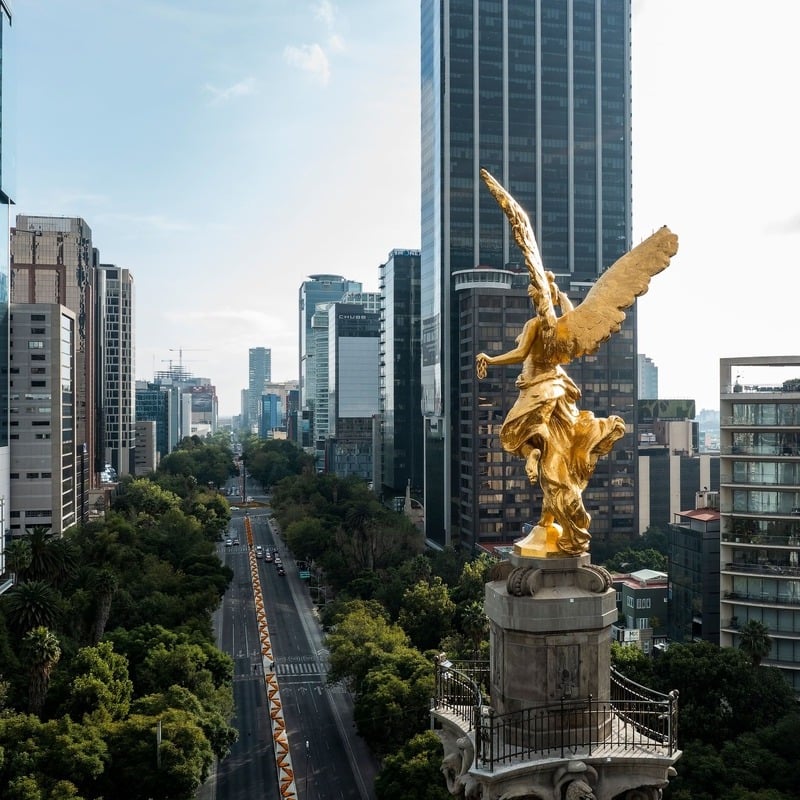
310,58
223,95
336,43
325,12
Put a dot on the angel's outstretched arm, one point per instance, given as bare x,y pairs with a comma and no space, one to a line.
515,356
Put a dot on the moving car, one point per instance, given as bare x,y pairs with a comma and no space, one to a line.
228,542
236,541
281,570
259,551
268,557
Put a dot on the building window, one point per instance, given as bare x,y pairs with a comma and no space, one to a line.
642,623
643,602
35,345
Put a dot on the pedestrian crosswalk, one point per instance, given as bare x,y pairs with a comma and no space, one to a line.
298,666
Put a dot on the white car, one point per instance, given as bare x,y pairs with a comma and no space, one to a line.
228,542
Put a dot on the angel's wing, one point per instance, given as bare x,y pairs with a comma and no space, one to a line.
524,236
601,314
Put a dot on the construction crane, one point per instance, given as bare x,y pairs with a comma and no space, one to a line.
180,351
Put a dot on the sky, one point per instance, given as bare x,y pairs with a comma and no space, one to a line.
223,152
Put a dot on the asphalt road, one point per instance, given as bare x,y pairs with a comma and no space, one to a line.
329,760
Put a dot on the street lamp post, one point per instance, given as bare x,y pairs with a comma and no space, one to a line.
308,756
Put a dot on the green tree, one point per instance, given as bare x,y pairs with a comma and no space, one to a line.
141,496
427,612
99,684
18,556
211,717
475,574
475,624
721,695
631,559
394,702
415,770
755,641
104,585
362,639
52,557
33,604
309,537
41,652
632,663
137,770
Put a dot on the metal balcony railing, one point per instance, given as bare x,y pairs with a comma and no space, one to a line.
635,718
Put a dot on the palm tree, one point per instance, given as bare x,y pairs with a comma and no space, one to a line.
474,624
33,604
18,557
41,650
755,641
104,584
52,558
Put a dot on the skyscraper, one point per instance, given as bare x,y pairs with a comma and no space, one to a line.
401,417
539,94
353,388
318,289
7,174
259,373
115,368
52,261
45,460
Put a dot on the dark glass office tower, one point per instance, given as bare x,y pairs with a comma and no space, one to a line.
401,439
538,92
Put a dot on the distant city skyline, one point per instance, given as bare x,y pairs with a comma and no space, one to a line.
254,147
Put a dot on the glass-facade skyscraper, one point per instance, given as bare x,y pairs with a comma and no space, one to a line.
537,92
320,288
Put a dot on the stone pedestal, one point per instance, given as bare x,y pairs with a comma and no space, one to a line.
550,639
550,729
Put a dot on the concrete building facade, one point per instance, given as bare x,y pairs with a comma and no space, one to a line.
45,461
53,262
116,392
7,195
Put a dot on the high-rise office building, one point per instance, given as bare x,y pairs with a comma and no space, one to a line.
648,377
759,503
318,289
539,94
353,387
322,325
45,457
162,405
115,368
7,193
401,416
53,262
259,373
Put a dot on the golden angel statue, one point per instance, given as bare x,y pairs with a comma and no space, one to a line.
559,442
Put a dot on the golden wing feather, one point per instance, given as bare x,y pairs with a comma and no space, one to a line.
602,313
526,240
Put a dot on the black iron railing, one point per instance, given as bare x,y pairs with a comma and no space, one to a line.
634,717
